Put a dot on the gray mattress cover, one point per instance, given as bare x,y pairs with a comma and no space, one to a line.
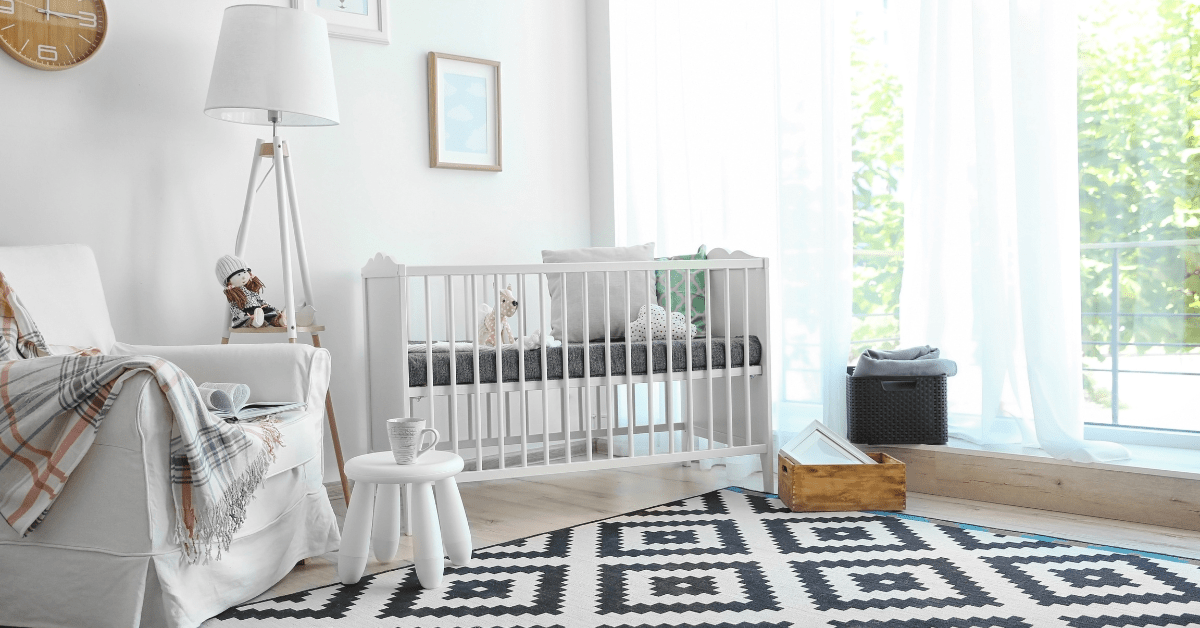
554,361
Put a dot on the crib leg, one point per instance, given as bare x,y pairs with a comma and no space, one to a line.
406,508
768,471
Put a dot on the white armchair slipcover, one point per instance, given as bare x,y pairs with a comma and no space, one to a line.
104,554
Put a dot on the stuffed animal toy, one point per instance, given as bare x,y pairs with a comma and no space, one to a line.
244,292
680,328
487,325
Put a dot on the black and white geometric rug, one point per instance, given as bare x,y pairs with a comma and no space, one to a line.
736,558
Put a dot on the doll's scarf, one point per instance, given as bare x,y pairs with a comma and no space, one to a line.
52,405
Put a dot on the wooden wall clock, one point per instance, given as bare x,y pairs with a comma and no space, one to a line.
52,34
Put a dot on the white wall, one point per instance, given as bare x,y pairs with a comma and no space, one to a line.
117,154
600,123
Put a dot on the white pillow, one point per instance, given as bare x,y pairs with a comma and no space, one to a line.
620,312
681,329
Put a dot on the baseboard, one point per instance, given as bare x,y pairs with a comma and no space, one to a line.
1149,496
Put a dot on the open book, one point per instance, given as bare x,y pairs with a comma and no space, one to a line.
228,401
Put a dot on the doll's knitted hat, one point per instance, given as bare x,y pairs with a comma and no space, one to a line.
229,266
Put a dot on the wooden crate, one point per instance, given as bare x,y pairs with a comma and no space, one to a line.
842,487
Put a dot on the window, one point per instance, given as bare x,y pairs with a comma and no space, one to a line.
1139,197
1139,170
877,153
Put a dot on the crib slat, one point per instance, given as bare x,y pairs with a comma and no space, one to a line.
566,374
429,354
501,397
520,340
728,364
452,410
631,406
670,348
689,433
488,424
650,408
471,435
708,336
581,400
613,408
475,419
545,372
404,336
585,394
746,352
611,415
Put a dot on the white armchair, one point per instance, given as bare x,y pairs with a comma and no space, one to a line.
104,555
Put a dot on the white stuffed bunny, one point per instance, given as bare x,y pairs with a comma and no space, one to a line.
680,328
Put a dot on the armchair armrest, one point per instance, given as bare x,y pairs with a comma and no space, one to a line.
274,372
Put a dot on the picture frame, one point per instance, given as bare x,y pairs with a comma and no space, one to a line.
464,113
363,20
817,444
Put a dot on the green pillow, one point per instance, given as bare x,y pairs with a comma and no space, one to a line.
678,289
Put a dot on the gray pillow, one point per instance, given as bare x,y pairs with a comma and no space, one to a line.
620,312
717,324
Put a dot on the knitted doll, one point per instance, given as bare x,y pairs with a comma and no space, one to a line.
244,292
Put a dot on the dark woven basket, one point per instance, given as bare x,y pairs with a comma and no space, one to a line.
896,410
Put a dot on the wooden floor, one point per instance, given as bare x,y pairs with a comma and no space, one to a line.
503,510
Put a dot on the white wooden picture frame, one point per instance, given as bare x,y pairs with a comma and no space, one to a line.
464,113
364,20
817,444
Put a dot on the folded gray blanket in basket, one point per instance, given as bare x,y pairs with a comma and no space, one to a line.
920,361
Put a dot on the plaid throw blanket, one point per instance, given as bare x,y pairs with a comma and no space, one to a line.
51,406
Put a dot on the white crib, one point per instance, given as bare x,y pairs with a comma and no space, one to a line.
536,423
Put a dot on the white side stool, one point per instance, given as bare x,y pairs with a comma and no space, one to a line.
433,472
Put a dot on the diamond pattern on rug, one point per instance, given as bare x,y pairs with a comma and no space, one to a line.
1111,578
551,545
706,504
783,624
911,583
762,504
1187,619
967,622
739,559
826,535
973,539
665,588
483,592
662,538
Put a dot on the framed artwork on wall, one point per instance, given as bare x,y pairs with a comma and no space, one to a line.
464,113
364,20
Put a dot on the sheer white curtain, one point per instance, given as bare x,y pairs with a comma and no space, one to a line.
730,129
991,262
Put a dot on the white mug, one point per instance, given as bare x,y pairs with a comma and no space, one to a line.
406,436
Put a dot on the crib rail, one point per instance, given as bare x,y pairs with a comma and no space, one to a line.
552,425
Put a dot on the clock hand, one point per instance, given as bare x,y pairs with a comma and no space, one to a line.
27,4
56,13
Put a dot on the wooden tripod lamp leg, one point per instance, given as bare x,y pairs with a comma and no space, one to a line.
333,432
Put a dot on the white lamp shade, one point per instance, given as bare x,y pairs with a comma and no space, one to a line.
272,59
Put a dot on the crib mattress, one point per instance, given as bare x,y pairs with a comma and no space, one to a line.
417,375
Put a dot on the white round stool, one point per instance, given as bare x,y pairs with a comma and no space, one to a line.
433,472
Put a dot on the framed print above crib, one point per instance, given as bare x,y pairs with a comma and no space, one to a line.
464,113
364,20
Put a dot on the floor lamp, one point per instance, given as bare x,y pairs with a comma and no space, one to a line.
273,68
